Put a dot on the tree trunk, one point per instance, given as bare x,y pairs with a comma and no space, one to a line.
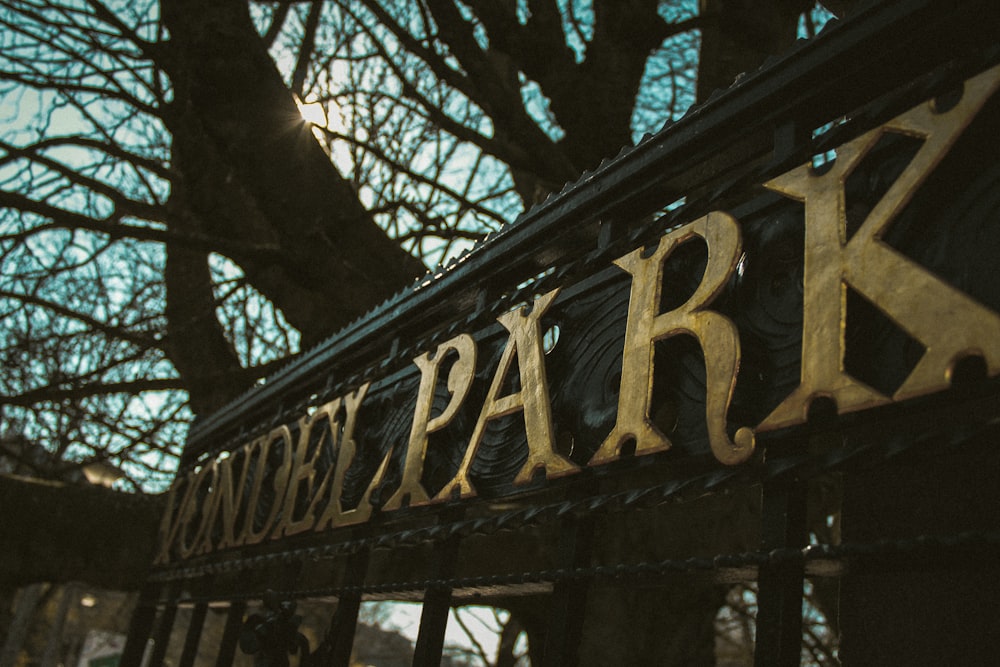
738,35
252,172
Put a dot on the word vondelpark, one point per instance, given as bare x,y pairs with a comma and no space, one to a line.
216,506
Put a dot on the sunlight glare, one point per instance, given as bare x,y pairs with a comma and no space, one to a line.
313,112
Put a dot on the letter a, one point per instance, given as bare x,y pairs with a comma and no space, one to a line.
525,345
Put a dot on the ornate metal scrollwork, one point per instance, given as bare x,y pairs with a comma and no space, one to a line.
272,635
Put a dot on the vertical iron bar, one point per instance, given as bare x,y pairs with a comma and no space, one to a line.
162,637
193,636
433,623
779,594
569,597
141,626
437,605
165,626
231,634
345,618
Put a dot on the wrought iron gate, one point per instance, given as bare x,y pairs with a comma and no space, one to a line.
778,310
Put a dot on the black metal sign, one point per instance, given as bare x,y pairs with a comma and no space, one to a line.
514,405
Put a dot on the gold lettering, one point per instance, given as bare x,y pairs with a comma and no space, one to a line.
230,500
948,323
250,535
524,344
210,510
335,515
190,510
460,378
304,470
170,521
716,334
